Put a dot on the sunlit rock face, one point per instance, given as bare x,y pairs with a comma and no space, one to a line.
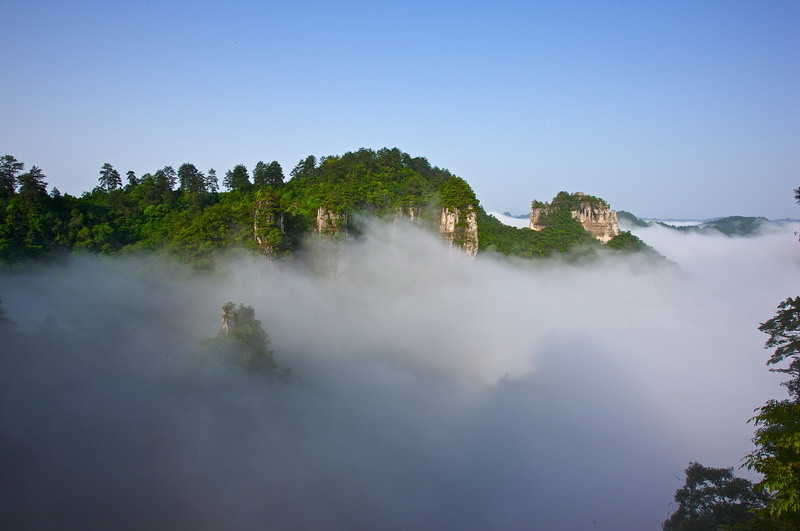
459,226
595,215
600,222
330,222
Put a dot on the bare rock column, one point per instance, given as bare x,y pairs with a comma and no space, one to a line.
330,223
595,215
459,226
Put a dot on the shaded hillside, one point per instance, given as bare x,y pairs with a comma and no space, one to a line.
730,226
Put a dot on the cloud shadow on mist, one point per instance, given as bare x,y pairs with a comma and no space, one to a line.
431,392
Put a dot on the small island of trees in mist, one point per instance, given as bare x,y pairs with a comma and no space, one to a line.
393,384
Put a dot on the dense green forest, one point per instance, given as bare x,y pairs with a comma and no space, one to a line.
183,212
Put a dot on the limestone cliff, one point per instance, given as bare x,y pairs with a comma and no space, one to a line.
268,226
233,317
595,215
410,212
330,223
459,227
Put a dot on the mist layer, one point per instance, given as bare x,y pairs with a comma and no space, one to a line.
429,391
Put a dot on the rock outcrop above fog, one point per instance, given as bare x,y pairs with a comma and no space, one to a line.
594,214
268,224
330,222
459,227
233,317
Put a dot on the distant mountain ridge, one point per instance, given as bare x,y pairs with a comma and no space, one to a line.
728,225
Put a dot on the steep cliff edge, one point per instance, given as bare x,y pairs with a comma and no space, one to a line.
410,213
268,223
330,223
332,197
594,214
458,220
234,318
243,341
459,227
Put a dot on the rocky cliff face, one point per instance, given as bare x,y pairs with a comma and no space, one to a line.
594,214
330,223
459,226
410,212
600,222
233,317
268,227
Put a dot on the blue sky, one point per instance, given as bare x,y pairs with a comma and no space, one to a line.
665,109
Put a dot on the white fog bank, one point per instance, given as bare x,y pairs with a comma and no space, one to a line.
429,390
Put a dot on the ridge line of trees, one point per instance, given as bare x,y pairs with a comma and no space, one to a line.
182,212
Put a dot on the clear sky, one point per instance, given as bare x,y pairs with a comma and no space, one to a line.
666,109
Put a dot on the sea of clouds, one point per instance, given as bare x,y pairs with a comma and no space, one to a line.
428,390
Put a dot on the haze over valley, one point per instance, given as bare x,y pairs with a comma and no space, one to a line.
428,390
400,266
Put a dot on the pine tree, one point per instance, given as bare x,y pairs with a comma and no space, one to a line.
212,184
260,174
274,174
191,179
109,178
132,180
305,168
32,185
237,178
166,178
9,168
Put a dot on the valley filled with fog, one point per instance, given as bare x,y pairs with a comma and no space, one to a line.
429,390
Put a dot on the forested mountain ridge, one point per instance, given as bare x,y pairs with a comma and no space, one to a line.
728,225
182,212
